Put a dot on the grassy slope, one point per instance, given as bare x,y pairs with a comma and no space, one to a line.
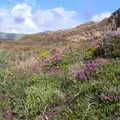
32,88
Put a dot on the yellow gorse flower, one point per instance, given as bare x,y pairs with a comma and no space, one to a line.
44,53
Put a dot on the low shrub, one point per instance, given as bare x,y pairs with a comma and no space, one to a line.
109,46
89,70
88,53
97,98
44,90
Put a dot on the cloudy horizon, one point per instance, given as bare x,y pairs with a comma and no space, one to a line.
23,18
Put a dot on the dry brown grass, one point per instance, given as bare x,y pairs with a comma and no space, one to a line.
71,37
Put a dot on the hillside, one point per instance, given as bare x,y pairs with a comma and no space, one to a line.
71,74
85,32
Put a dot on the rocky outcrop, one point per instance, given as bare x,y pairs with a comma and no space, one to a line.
114,20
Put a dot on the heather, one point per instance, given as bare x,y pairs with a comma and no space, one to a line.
109,46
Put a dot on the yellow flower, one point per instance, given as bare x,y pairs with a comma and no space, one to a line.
44,53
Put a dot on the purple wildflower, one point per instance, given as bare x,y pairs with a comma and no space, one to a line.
56,71
35,67
90,65
87,71
56,58
115,33
46,61
8,115
82,75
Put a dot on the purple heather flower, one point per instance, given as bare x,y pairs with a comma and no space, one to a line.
8,115
88,70
35,67
111,34
56,71
82,75
90,65
56,58
115,33
46,61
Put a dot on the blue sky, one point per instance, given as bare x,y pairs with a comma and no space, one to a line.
32,16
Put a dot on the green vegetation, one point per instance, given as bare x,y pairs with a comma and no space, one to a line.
61,83
110,46
97,98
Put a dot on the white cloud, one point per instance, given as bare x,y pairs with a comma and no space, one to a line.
21,10
99,17
20,19
56,18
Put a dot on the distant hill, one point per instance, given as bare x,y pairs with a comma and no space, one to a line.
85,32
10,36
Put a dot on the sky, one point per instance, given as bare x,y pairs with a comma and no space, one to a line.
33,16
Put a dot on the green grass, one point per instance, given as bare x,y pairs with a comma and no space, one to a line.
87,104
30,91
